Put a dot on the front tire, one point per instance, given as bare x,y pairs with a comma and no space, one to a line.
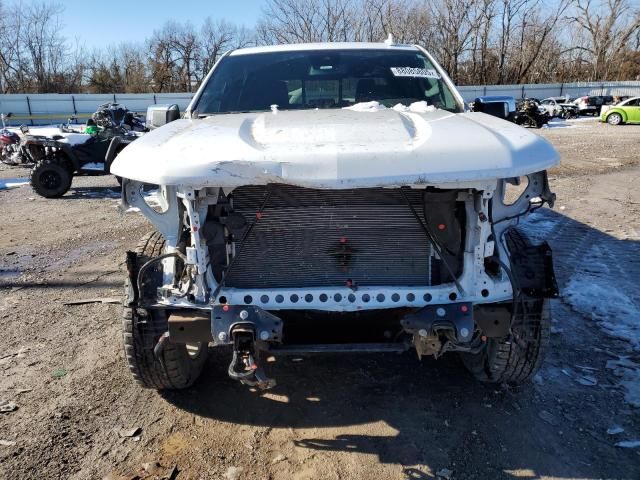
514,359
614,119
179,365
50,179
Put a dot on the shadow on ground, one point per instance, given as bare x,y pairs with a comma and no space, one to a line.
441,415
83,193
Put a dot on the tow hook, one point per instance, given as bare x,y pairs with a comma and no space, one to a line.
244,365
250,330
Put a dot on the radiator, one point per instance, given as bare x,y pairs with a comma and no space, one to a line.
326,238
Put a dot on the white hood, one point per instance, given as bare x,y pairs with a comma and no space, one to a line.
335,149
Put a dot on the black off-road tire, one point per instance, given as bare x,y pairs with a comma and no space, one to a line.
179,366
50,179
516,358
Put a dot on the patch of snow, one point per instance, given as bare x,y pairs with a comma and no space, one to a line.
415,107
583,119
7,183
598,292
629,444
558,123
538,225
366,107
615,430
74,138
374,106
93,166
614,311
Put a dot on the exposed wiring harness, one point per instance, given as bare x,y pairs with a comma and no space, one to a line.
436,245
153,261
241,244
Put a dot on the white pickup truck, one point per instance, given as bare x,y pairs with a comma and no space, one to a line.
335,198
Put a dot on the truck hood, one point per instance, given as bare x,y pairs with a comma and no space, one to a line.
335,149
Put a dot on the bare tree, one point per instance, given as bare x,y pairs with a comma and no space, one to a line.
43,44
610,26
217,37
298,21
476,41
455,22
174,55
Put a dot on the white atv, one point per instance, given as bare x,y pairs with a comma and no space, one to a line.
334,198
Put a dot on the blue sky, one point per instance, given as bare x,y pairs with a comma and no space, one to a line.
98,23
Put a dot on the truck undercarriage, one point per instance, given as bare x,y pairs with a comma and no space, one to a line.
287,270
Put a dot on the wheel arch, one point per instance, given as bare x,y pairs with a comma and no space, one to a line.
618,111
68,159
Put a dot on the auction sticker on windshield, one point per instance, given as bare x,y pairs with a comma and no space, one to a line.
414,72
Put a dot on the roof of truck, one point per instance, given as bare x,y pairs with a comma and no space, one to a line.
292,47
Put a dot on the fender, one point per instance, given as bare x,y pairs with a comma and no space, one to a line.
111,152
620,112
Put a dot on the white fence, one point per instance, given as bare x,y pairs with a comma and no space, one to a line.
54,108
39,109
544,90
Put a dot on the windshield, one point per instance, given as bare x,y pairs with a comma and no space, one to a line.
323,79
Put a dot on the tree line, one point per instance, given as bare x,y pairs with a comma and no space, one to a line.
476,41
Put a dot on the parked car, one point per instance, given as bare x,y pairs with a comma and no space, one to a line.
592,104
625,112
501,106
559,107
335,198
617,99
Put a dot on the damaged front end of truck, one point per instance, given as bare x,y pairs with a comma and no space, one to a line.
279,269
335,198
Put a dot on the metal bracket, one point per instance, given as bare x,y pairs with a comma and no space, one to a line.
166,222
458,316
224,318
189,326
533,267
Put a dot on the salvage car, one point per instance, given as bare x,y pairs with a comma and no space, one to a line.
624,112
559,107
335,197
592,104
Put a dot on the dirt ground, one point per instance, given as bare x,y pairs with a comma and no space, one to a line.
79,415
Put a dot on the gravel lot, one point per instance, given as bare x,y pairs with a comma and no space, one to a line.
79,415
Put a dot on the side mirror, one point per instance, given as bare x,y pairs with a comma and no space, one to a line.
159,115
9,115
